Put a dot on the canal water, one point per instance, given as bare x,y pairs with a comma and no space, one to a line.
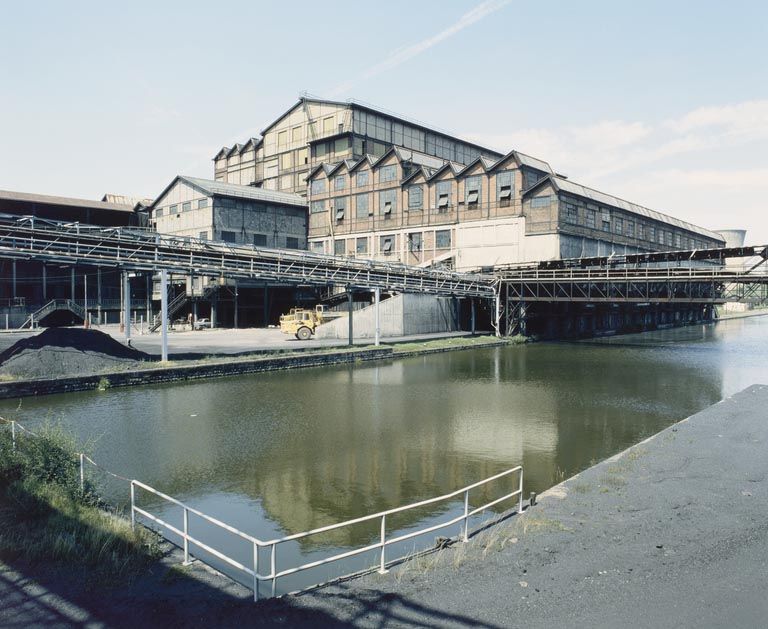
284,452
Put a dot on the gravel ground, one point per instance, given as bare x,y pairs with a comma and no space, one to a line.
670,533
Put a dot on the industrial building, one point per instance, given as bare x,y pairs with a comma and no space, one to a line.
241,215
316,130
403,206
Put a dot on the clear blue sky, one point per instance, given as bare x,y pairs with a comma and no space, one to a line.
663,103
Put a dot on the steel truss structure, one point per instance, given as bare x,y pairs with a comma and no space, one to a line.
139,250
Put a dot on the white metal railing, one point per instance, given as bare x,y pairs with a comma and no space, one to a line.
252,570
381,544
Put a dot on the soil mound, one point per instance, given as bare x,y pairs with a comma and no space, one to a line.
67,352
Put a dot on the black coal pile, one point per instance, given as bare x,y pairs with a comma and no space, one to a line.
59,352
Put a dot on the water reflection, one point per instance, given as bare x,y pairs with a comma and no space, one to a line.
289,451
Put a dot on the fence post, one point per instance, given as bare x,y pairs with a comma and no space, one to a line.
255,571
186,537
13,435
273,563
82,472
466,516
382,560
520,488
133,503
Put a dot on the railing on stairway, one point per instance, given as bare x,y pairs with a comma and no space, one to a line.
53,306
178,302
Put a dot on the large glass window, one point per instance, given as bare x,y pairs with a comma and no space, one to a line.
259,240
316,206
443,190
618,225
504,187
472,188
361,178
159,213
291,242
631,229
228,236
591,218
415,197
340,247
340,182
414,241
387,173
385,244
341,145
317,186
361,245
201,203
340,207
571,213
186,207
387,202
540,202
361,205
443,239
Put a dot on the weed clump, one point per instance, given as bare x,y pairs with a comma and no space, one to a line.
47,517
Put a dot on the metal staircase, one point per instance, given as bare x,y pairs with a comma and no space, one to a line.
53,306
178,302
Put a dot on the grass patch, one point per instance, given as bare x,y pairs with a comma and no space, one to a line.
46,518
582,488
452,342
613,480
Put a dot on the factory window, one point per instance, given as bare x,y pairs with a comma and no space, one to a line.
328,125
159,212
317,186
541,201
296,134
259,240
361,205
640,231
387,173
282,139
472,187
229,236
361,245
415,197
651,233
504,182
661,236
592,218
361,178
414,242
387,202
339,247
316,206
386,244
302,156
443,239
201,203
318,247
571,213
173,209
186,206
286,161
340,207
443,190
630,229
341,145
291,242
678,240
203,235
531,178
340,182
320,149
618,225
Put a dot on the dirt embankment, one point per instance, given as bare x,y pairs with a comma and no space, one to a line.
57,352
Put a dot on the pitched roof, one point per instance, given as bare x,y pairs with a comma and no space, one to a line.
44,199
566,185
233,190
524,160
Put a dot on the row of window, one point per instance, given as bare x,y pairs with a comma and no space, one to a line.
473,187
259,240
625,227
180,207
387,243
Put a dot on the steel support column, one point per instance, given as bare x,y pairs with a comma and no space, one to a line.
377,315
127,305
349,315
164,314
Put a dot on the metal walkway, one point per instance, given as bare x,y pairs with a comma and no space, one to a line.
138,250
